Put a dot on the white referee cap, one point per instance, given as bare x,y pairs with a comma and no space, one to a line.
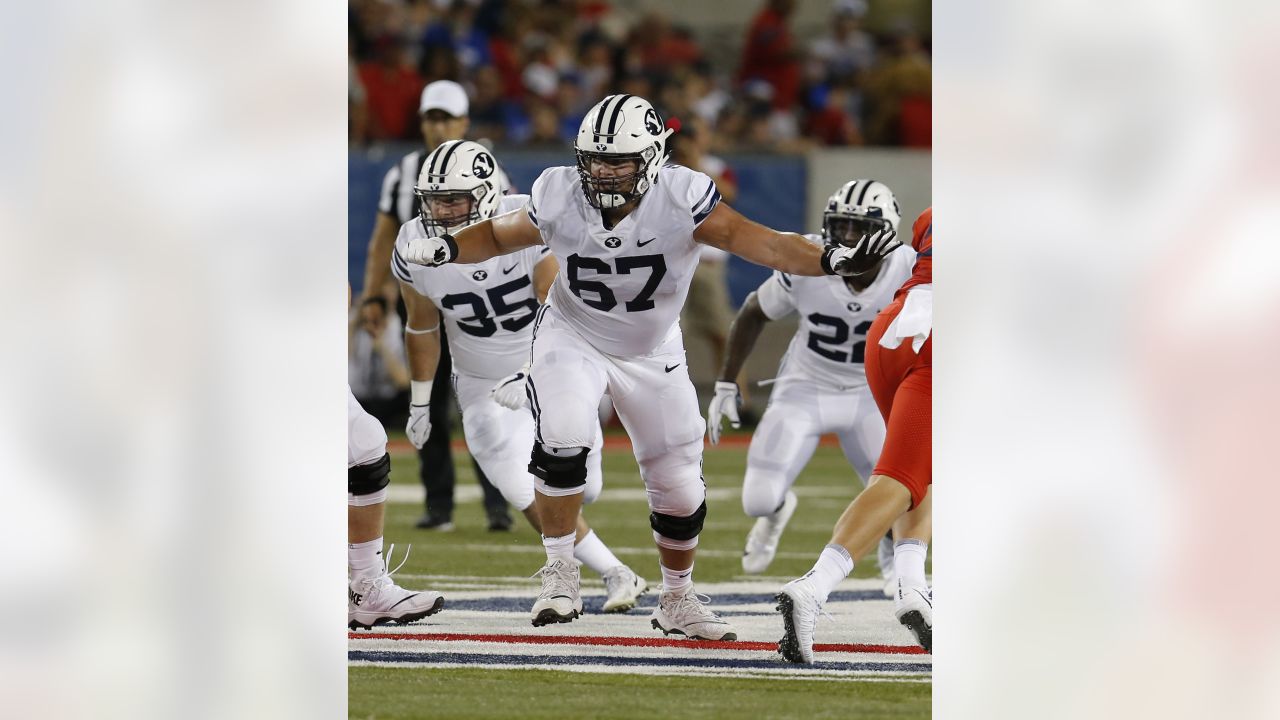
445,95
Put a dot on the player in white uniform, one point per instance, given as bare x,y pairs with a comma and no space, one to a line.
488,311
373,598
625,229
821,385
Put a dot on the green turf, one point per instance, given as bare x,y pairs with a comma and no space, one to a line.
471,550
387,693
626,524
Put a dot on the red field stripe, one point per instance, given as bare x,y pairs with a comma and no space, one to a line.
633,642
613,442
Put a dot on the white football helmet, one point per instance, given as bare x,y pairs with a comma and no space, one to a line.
618,128
859,207
458,186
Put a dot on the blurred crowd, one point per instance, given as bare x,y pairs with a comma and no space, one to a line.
534,67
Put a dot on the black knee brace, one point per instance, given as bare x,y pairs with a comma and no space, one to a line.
679,528
369,479
559,471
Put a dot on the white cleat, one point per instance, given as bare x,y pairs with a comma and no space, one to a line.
884,556
559,601
798,603
687,614
378,600
762,541
913,606
624,588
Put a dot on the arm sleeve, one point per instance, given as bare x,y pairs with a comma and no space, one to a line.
399,266
390,189
775,296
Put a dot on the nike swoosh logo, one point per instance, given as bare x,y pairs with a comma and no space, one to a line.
646,242
508,270
673,367
410,597
925,598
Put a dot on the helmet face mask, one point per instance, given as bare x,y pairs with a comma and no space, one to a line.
447,211
610,180
848,230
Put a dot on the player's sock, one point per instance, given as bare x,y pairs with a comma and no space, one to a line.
593,553
559,548
834,565
908,561
676,580
365,559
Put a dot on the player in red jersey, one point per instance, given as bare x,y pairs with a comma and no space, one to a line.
899,360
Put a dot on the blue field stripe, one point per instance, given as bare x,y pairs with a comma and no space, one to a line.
594,604
388,656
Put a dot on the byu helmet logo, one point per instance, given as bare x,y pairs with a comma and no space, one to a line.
479,275
482,166
854,307
612,242
651,122
602,147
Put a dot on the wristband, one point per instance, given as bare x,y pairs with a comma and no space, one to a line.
420,392
452,245
825,262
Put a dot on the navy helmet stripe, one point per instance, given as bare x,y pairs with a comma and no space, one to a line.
848,197
617,109
863,195
448,154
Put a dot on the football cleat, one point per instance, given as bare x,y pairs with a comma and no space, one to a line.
624,588
798,603
379,600
559,601
687,614
762,541
913,606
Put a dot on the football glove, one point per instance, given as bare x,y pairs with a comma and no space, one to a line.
509,392
419,427
724,404
862,257
432,251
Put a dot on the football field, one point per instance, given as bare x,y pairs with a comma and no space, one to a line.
481,657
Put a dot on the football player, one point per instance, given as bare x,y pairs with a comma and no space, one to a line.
488,310
625,228
899,364
821,386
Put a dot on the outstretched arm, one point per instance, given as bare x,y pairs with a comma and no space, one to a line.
496,236
727,229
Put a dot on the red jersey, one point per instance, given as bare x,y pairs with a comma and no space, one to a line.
922,241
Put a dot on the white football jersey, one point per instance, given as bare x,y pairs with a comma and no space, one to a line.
623,288
830,344
486,308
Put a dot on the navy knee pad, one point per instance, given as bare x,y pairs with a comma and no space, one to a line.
559,471
370,478
679,528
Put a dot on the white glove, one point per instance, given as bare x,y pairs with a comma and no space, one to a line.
724,404
419,427
432,251
509,392
862,257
